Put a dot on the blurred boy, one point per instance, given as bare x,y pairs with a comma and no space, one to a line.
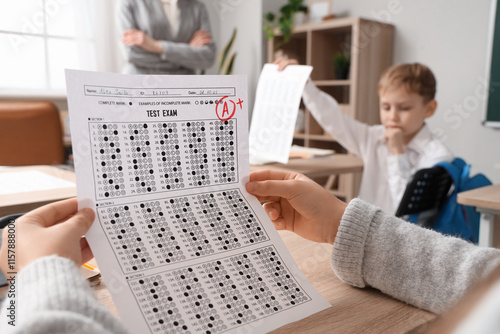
393,151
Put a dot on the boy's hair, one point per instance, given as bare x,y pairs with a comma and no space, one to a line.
415,78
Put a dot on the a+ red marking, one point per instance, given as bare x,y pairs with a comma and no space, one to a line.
240,103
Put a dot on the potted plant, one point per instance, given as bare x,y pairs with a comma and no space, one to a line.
341,63
285,22
226,61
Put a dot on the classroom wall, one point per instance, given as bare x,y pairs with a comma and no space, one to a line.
246,16
451,38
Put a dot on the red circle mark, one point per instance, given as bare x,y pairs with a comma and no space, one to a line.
217,109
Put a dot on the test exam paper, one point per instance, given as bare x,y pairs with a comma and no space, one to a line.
182,247
275,112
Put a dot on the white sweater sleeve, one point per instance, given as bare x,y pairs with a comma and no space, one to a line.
418,266
51,296
347,131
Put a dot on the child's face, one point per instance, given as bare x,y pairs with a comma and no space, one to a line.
404,111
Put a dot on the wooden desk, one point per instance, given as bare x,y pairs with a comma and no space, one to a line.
353,310
317,167
486,200
321,167
26,201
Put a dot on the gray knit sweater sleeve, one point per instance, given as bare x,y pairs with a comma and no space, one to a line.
53,297
418,266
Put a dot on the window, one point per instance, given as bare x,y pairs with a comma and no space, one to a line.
40,38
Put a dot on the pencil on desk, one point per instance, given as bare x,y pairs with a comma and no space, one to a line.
88,266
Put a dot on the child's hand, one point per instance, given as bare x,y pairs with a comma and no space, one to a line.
395,140
56,228
298,204
283,62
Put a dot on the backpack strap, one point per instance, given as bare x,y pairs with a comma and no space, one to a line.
458,170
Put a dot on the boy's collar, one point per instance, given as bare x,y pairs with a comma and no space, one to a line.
421,139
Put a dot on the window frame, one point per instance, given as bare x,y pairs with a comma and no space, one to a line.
93,40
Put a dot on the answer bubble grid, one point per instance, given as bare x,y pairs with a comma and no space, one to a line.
220,295
176,229
168,154
131,159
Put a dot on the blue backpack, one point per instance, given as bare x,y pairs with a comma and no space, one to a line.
456,219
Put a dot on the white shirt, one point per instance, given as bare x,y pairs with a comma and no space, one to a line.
384,175
173,14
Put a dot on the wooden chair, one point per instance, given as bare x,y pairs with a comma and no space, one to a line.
425,194
30,134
